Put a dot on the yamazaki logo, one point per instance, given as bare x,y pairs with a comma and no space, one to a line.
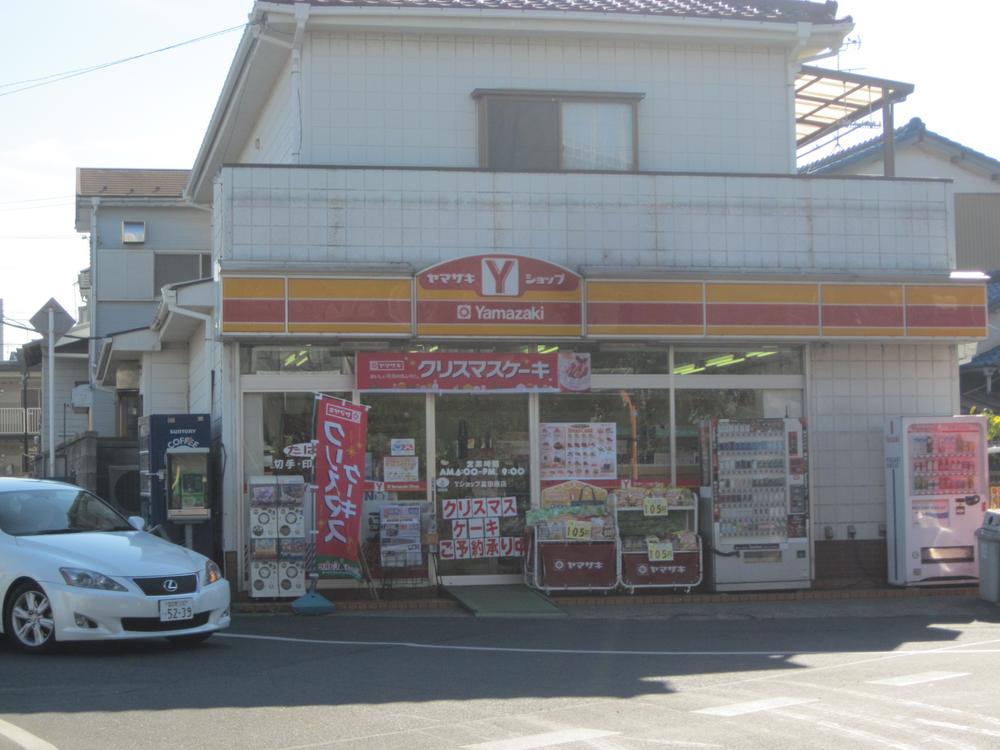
501,277
498,276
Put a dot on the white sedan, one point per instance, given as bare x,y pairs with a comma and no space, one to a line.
74,569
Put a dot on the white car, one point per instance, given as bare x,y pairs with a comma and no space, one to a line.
74,569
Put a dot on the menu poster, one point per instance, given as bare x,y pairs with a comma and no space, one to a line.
400,469
579,450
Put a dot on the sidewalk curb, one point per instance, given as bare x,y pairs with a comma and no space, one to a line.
617,600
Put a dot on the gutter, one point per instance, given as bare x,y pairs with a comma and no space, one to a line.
230,91
169,307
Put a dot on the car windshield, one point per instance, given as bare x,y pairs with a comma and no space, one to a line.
57,510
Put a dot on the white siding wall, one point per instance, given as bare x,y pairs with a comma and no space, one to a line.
165,381
200,373
68,423
390,99
686,222
277,133
855,389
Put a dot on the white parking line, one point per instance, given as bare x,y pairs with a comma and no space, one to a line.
548,739
751,707
24,738
917,679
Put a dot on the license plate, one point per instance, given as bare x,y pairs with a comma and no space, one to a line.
172,610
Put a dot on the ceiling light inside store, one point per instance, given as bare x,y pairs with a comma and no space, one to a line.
974,275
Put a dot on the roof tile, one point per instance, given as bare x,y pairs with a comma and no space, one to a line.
781,11
139,183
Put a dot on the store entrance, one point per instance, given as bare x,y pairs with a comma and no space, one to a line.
482,483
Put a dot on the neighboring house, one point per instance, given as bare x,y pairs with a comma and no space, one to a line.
920,152
144,236
975,180
636,162
20,416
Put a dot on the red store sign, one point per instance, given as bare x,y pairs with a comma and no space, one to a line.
499,295
417,372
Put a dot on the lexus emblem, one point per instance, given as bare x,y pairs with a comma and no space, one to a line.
170,585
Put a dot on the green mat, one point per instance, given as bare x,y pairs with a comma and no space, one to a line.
504,601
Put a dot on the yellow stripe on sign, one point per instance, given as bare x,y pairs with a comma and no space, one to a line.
650,330
511,330
864,332
960,333
465,295
364,328
862,294
763,330
253,288
253,327
942,294
765,293
644,291
391,289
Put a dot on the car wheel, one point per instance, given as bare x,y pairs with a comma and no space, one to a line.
28,619
189,640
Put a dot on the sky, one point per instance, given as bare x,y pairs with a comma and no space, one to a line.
152,112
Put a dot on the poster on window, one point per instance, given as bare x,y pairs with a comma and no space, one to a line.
584,450
341,433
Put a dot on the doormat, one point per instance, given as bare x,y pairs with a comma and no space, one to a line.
503,601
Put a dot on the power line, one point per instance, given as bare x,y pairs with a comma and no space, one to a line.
36,200
34,83
35,208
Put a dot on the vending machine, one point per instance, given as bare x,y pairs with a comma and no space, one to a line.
937,491
175,492
755,504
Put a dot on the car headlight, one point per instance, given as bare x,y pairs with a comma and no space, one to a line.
89,579
212,573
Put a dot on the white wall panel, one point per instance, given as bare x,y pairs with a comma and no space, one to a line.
768,224
855,390
275,138
165,381
390,99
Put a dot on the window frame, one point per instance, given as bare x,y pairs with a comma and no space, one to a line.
483,96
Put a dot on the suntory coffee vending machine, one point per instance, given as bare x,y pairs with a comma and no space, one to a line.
937,490
755,504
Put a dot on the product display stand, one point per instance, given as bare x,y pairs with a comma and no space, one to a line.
660,547
572,548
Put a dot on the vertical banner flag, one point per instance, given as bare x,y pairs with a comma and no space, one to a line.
341,433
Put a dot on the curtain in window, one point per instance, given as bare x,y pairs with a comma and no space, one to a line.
596,135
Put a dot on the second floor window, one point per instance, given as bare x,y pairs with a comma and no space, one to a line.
172,268
538,131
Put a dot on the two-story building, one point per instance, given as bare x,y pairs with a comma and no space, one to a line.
20,416
469,184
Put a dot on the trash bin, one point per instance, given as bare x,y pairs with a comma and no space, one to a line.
989,557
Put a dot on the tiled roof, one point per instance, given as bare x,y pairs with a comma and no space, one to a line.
913,131
140,183
779,11
989,358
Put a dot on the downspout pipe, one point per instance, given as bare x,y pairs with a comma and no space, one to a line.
301,18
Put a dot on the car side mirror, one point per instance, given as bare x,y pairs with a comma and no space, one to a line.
137,522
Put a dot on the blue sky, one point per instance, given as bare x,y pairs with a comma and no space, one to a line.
153,112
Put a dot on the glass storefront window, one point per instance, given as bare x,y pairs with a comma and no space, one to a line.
761,360
628,362
482,452
693,406
302,358
288,433
397,440
642,422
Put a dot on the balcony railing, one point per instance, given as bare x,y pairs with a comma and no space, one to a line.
17,421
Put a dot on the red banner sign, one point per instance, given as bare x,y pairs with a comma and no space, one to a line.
464,373
341,434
